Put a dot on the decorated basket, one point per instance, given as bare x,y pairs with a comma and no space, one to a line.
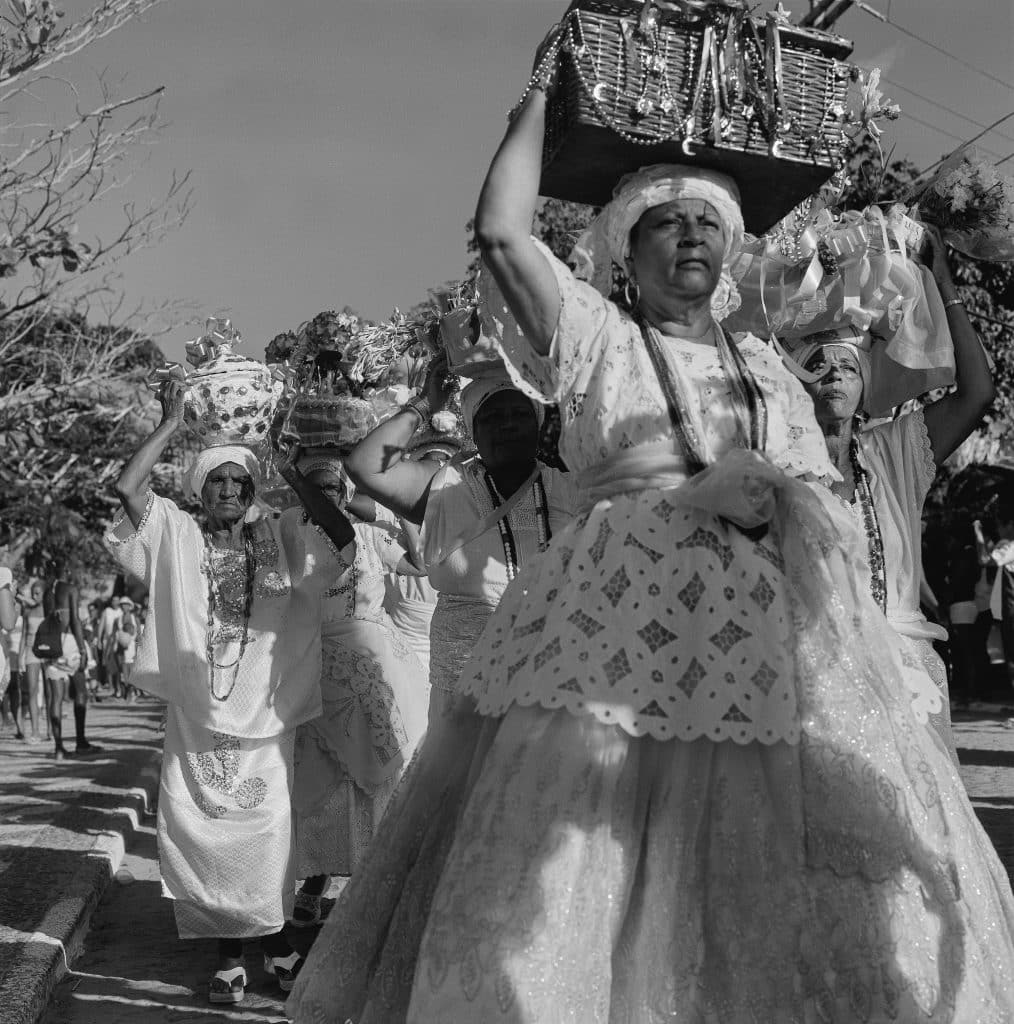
230,399
695,82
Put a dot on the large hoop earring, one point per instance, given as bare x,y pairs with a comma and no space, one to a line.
631,293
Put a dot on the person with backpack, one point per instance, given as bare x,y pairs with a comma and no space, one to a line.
53,648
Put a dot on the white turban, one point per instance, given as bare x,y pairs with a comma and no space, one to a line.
607,240
211,458
477,392
859,343
331,464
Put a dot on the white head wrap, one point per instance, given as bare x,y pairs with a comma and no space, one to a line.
477,392
211,458
331,464
607,240
859,343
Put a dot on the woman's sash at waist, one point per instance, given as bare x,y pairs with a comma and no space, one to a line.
657,465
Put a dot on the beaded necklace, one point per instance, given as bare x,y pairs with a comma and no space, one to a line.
250,567
745,394
510,548
874,538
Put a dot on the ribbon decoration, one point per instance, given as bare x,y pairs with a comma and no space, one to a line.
162,375
219,337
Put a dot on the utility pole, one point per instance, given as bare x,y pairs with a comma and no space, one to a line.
824,13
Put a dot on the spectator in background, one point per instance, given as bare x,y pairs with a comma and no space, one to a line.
1001,603
8,618
126,631
969,616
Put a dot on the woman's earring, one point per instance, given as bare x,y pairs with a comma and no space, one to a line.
631,294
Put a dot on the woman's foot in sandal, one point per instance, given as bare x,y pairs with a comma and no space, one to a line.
227,985
310,910
284,968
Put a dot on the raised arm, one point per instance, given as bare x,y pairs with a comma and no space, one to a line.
132,483
331,519
503,224
376,464
954,417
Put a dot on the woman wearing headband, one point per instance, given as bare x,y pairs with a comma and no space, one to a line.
886,471
232,644
698,794
375,700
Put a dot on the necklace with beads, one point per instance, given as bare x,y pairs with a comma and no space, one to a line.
871,524
214,585
510,548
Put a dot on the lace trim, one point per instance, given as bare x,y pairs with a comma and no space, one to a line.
928,461
332,547
121,516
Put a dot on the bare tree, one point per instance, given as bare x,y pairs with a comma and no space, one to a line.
49,173
72,359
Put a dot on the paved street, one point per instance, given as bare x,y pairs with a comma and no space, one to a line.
58,836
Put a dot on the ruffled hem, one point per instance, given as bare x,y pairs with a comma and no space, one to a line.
557,869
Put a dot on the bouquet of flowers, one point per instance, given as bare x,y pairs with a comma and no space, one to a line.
973,205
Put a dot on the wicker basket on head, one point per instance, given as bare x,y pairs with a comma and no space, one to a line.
695,82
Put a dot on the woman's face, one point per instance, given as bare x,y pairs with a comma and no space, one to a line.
676,251
330,483
227,493
838,392
506,430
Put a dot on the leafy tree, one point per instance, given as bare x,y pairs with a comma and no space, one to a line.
72,361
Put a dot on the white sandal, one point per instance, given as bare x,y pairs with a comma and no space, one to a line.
231,988
284,968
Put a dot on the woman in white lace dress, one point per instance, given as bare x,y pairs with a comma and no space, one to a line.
887,471
699,794
232,644
375,697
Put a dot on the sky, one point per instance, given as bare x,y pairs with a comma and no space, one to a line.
336,147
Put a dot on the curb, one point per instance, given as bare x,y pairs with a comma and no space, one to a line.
39,949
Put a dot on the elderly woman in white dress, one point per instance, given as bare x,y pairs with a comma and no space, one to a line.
886,472
699,795
375,698
232,644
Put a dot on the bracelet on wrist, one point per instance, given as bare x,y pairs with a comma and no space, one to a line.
953,302
420,406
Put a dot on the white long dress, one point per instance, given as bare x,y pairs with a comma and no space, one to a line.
375,699
225,834
698,791
899,458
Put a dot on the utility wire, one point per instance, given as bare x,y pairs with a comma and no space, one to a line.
950,135
929,42
941,106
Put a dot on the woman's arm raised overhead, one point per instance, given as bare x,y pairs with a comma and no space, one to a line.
503,222
376,464
950,420
132,483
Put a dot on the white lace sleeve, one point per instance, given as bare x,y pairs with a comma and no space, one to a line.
134,550
579,327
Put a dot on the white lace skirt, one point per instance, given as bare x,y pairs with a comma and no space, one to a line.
225,831
375,698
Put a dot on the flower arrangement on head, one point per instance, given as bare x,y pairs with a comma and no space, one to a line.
971,202
231,399
345,375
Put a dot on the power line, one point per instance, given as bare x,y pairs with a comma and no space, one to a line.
941,106
950,135
929,42
974,138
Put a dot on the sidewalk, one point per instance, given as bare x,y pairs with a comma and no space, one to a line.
63,830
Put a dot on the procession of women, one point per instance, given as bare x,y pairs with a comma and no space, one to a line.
573,640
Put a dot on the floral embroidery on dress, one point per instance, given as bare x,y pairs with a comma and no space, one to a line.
219,771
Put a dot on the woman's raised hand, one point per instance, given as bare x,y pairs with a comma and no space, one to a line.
173,398
440,382
934,255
